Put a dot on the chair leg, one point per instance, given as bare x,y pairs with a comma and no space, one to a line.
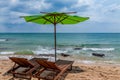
70,68
11,78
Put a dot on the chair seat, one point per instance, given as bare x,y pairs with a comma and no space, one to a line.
53,70
24,68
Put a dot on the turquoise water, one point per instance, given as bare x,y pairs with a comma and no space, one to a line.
42,43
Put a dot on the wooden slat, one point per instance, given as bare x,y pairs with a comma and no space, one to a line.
27,67
59,67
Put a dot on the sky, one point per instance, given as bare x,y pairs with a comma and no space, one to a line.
104,15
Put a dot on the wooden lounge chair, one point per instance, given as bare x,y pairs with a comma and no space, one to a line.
23,68
57,68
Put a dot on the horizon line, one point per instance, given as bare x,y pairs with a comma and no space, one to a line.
60,32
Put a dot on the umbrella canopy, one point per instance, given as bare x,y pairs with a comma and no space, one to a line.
55,18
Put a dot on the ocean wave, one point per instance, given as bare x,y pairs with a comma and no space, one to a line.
86,61
45,51
2,40
88,45
99,49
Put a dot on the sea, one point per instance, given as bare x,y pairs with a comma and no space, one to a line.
77,45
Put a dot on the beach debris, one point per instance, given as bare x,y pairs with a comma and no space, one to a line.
64,55
77,48
98,54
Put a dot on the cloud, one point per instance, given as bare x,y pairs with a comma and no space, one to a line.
113,8
14,2
90,8
2,28
101,12
25,5
98,11
38,5
11,10
81,3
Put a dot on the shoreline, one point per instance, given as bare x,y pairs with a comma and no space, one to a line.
51,58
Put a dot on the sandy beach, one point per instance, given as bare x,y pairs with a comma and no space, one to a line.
80,71
84,32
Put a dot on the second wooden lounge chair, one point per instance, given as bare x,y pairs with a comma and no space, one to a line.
23,68
59,67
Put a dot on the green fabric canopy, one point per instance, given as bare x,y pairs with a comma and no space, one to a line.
55,18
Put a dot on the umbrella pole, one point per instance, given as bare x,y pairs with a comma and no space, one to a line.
55,40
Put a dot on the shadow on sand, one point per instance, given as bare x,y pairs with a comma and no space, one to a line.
75,69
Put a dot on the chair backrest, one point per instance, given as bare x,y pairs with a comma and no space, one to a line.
48,64
23,62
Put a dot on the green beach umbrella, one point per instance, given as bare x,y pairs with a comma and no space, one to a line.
55,18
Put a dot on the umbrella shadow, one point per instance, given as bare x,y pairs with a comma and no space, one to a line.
75,70
52,74
7,72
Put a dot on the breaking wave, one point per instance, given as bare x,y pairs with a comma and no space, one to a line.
2,40
99,49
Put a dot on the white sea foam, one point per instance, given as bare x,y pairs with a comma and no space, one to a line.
6,52
47,50
86,61
99,49
43,51
2,40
